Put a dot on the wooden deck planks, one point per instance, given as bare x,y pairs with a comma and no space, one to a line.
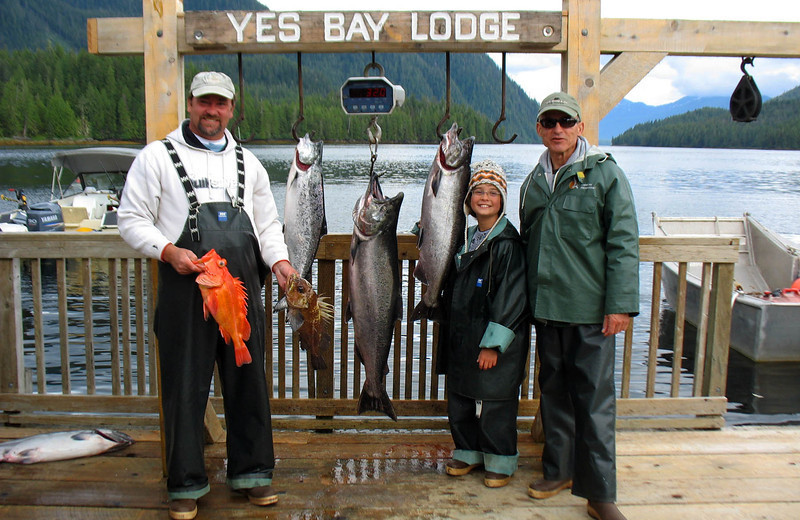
735,473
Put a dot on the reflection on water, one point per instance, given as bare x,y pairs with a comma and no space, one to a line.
73,336
757,392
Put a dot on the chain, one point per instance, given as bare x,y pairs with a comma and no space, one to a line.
374,133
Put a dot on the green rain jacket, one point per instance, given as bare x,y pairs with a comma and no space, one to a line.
486,307
582,241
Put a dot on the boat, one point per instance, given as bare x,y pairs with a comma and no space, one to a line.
85,191
765,319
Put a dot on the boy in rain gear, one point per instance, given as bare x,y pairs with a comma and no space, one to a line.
484,345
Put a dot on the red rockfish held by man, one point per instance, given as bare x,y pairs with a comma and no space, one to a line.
225,298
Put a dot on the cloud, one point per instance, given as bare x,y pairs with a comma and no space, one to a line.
673,78
676,77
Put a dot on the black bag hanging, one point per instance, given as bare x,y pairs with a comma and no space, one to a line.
746,99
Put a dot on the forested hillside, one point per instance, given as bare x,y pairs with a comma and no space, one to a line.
777,128
50,87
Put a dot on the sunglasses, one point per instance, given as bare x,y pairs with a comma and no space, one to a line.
565,122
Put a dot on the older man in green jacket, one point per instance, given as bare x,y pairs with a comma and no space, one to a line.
578,221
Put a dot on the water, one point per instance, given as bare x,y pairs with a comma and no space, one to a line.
667,181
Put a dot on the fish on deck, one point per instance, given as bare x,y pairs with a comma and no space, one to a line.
308,314
225,298
48,447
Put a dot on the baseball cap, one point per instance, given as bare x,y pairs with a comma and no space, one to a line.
562,102
205,83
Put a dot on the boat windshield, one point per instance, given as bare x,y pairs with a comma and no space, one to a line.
104,181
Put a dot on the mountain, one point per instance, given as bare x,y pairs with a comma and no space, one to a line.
475,78
777,128
628,114
36,24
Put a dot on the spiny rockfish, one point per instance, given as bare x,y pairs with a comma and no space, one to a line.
225,298
307,315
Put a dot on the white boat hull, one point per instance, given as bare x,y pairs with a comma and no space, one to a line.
762,329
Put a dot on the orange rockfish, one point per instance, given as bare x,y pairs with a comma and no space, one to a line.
307,312
225,298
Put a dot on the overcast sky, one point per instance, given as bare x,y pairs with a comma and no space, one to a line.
672,79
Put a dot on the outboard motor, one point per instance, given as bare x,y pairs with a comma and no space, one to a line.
45,216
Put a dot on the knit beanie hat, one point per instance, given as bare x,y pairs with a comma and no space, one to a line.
486,172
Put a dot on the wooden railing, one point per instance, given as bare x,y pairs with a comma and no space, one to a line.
78,348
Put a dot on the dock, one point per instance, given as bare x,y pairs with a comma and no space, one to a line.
743,472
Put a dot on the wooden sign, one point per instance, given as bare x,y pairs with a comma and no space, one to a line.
388,31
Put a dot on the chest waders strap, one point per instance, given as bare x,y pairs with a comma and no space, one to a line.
194,205
239,202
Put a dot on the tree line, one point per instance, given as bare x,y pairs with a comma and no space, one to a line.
777,128
54,93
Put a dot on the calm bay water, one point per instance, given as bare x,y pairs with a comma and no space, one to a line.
667,181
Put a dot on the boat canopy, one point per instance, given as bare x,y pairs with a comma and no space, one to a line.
98,168
95,160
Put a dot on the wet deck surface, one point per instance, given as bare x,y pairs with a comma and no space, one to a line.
735,473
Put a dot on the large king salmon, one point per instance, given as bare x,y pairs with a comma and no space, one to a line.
441,226
375,303
47,447
304,213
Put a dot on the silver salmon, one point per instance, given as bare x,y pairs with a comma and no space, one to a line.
375,303
304,220
441,226
47,447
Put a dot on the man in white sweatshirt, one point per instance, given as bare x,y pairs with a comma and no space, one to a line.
195,191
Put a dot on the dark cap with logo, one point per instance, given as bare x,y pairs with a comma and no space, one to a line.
562,102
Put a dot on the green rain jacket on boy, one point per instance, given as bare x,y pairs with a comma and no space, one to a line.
486,306
578,272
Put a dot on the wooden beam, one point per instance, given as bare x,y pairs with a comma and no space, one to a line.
215,432
623,73
356,31
580,66
123,36
165,103
115,36
689,249
701,38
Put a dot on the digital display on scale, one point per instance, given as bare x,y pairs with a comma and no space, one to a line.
371,95
374,92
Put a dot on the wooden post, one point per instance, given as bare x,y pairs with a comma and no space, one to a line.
165,101
11,356
719,333
580,64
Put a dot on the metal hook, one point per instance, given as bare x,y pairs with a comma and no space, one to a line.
300,90
374,132
235,127
746,61
502,109
373,65
439,131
